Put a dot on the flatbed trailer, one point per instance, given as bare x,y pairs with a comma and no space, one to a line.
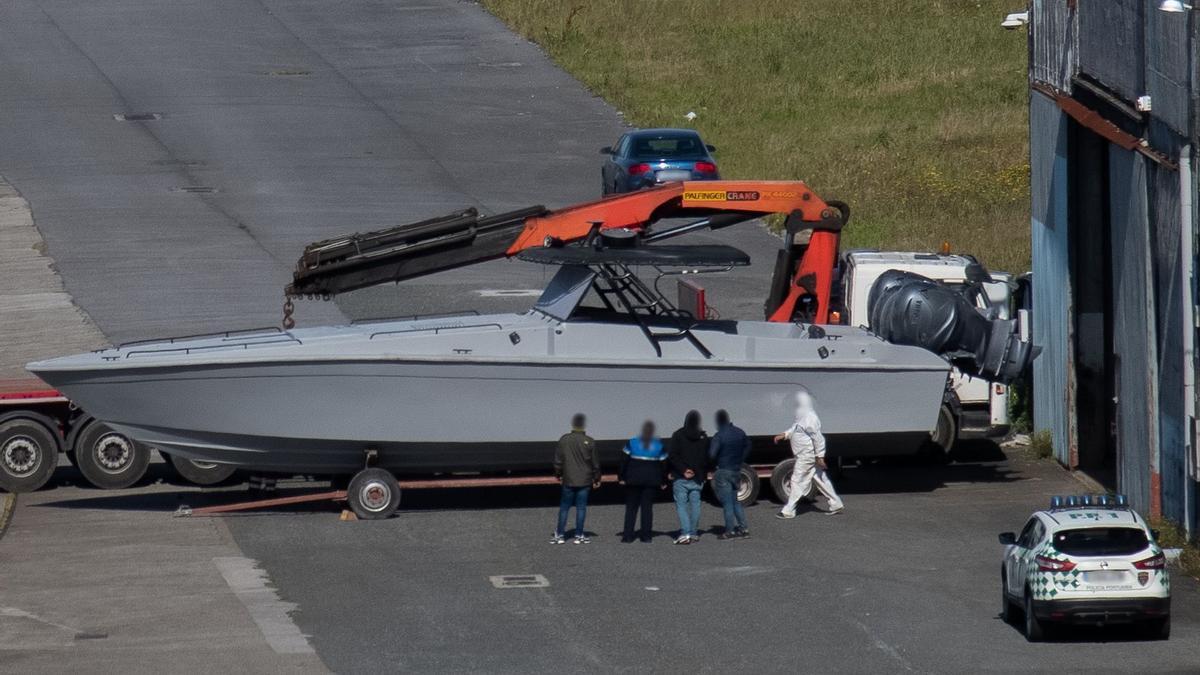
38,422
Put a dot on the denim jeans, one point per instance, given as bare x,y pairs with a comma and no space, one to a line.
577,497
725,483
687,504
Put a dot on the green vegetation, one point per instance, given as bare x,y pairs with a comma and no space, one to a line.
1171,535
1041,444
912,111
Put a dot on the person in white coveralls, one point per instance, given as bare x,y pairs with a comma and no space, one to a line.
808,445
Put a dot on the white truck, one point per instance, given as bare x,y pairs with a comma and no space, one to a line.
973,405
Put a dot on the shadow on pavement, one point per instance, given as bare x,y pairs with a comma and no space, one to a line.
973,462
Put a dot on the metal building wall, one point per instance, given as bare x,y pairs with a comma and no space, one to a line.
1052,38
1052,395
1110,44
1168,69
1172,421
1134,334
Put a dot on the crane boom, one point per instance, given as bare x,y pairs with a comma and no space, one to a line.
465,238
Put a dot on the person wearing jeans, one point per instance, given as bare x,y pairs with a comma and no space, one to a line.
728,450
577,466
688,459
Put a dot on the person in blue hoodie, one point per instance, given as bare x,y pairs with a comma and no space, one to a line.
643,475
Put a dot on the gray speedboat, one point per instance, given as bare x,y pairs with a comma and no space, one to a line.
491,392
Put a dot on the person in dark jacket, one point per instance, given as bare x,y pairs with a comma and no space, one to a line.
642,473
687,456
577,466
728,451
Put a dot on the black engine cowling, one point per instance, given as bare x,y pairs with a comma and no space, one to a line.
909,309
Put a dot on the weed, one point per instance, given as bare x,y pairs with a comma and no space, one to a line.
1171,535
1041,444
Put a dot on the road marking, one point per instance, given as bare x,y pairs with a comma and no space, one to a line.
519,581
18,613
882,646
252,587
509,292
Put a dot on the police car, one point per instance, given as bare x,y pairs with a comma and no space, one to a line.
1085,560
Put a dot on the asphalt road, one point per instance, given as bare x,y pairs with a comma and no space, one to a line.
907,579
306,120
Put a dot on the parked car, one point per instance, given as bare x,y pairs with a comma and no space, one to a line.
648,157
1086,560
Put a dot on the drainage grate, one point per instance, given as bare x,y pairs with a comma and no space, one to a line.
520,581
137,117
198,189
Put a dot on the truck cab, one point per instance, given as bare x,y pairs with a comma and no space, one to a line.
983,406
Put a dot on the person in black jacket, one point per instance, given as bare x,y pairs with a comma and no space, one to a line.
643,476
687,455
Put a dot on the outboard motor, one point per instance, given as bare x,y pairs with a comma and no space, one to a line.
909,309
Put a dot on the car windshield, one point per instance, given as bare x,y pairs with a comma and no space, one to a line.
1101,541
677,146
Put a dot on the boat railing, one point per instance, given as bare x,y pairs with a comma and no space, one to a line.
279,340
436,330
224,335
416,317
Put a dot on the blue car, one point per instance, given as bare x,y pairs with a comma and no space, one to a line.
649,157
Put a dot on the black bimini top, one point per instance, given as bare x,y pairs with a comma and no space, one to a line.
657,256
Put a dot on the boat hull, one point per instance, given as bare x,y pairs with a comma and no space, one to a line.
461,415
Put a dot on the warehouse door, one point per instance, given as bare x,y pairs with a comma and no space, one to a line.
1134,341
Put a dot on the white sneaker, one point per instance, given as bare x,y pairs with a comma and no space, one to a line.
557,539
834,512
580,539
785,516
683,539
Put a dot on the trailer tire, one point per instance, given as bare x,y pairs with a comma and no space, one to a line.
373,494
941,439
200,473
110,460
781,479
749,485
28,455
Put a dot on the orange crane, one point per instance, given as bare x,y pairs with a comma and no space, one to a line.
804,267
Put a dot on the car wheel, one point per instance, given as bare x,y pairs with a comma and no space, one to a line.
1159,629
1006,608
1034,631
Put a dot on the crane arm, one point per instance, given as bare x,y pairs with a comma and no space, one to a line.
408,251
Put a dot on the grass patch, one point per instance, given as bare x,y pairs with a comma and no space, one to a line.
1041,444
912,111
1171,535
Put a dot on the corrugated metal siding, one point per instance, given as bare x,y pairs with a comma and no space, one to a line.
1133,326
1168,62
1052,35
1110,44
1051,286
1164,203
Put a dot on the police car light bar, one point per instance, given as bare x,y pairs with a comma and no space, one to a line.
1085,501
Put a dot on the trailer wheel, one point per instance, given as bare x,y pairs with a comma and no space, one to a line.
199,472
28,455
748,485
942,438
109,460
781,479
373,494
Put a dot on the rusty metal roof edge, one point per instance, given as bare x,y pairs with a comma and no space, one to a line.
1102,126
